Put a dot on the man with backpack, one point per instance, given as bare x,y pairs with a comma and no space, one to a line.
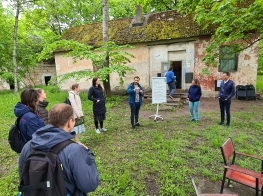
52,165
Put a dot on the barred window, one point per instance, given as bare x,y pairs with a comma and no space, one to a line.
228,59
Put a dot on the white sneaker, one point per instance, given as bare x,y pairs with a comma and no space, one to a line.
102,129
97,131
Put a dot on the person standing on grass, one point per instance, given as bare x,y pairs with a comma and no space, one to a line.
135,93
27,109
170,79
42,104
227,91
78,165
194,95
99,109
77,108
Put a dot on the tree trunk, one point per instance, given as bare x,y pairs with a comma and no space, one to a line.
106,39
59,27
14,48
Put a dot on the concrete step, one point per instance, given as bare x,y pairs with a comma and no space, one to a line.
174,100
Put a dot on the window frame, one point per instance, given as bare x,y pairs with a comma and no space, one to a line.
227,58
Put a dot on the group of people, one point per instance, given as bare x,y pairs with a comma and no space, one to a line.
43,130
227,91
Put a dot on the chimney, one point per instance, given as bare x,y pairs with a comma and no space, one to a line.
138,13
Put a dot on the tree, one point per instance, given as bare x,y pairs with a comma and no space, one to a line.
118,58
105,30
18,7
237,23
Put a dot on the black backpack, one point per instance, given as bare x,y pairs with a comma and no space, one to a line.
67,101
42,173
15,138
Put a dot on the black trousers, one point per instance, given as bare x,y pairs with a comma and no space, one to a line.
225,106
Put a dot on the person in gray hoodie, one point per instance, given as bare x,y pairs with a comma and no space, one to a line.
79,168
42,105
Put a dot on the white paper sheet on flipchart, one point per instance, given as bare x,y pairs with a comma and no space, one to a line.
219,83
159,90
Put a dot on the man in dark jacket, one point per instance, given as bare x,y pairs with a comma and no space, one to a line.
135,92
79,167
227,91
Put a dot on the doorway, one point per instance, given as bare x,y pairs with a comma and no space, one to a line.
47,79
177,69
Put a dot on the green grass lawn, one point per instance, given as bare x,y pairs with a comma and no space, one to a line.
259,84
156,159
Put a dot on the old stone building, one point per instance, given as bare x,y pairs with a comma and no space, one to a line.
40,76
161,40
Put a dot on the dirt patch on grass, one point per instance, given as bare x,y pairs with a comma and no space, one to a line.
206,105
151,186
237,189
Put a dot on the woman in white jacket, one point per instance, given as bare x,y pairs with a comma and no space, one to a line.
77,108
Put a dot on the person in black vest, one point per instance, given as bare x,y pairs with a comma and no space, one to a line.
99,109
227,91
42,105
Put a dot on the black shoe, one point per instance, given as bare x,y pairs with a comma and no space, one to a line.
221,123
138,125
228,125
191,120
133,127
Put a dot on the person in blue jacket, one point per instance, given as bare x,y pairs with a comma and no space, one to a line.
135,93
27,109
227,91
79,168
194,95
170,79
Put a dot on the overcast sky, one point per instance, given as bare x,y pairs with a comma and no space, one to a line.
4,4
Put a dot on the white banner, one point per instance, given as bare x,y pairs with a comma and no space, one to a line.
159,90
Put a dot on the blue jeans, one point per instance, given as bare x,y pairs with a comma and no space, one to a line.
225,106
172,88
135,112
195,105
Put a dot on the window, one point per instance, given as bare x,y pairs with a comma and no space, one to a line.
228,59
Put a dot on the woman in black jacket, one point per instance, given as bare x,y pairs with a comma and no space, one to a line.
42,104
99,109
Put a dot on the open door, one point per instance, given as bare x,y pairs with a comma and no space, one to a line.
177,69
165,67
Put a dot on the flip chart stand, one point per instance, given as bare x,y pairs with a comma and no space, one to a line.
156,115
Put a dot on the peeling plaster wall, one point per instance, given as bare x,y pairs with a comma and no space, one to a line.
140,64
183,51
148,63
246,71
